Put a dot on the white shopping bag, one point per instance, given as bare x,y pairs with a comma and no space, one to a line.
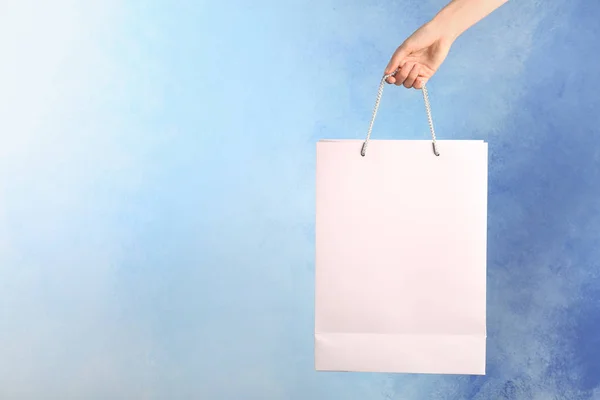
401,256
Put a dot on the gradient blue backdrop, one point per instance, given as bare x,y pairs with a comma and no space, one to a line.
157,192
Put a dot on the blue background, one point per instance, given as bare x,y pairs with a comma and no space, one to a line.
157,192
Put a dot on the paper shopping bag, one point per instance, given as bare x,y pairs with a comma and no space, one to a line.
401,256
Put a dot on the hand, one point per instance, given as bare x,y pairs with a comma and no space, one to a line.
420,56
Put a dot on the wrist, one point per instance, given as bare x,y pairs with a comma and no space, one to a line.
447,23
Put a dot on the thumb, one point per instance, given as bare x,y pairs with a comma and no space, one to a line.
400,53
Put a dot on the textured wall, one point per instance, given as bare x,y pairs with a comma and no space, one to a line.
157,192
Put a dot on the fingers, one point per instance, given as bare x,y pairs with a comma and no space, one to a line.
403,73
420,82
412,76
407,72
395,62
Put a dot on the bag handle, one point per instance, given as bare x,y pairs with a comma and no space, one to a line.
427,110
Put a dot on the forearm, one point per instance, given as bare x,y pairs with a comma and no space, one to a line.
460,15
419,57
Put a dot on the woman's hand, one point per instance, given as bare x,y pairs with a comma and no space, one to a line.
419,57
